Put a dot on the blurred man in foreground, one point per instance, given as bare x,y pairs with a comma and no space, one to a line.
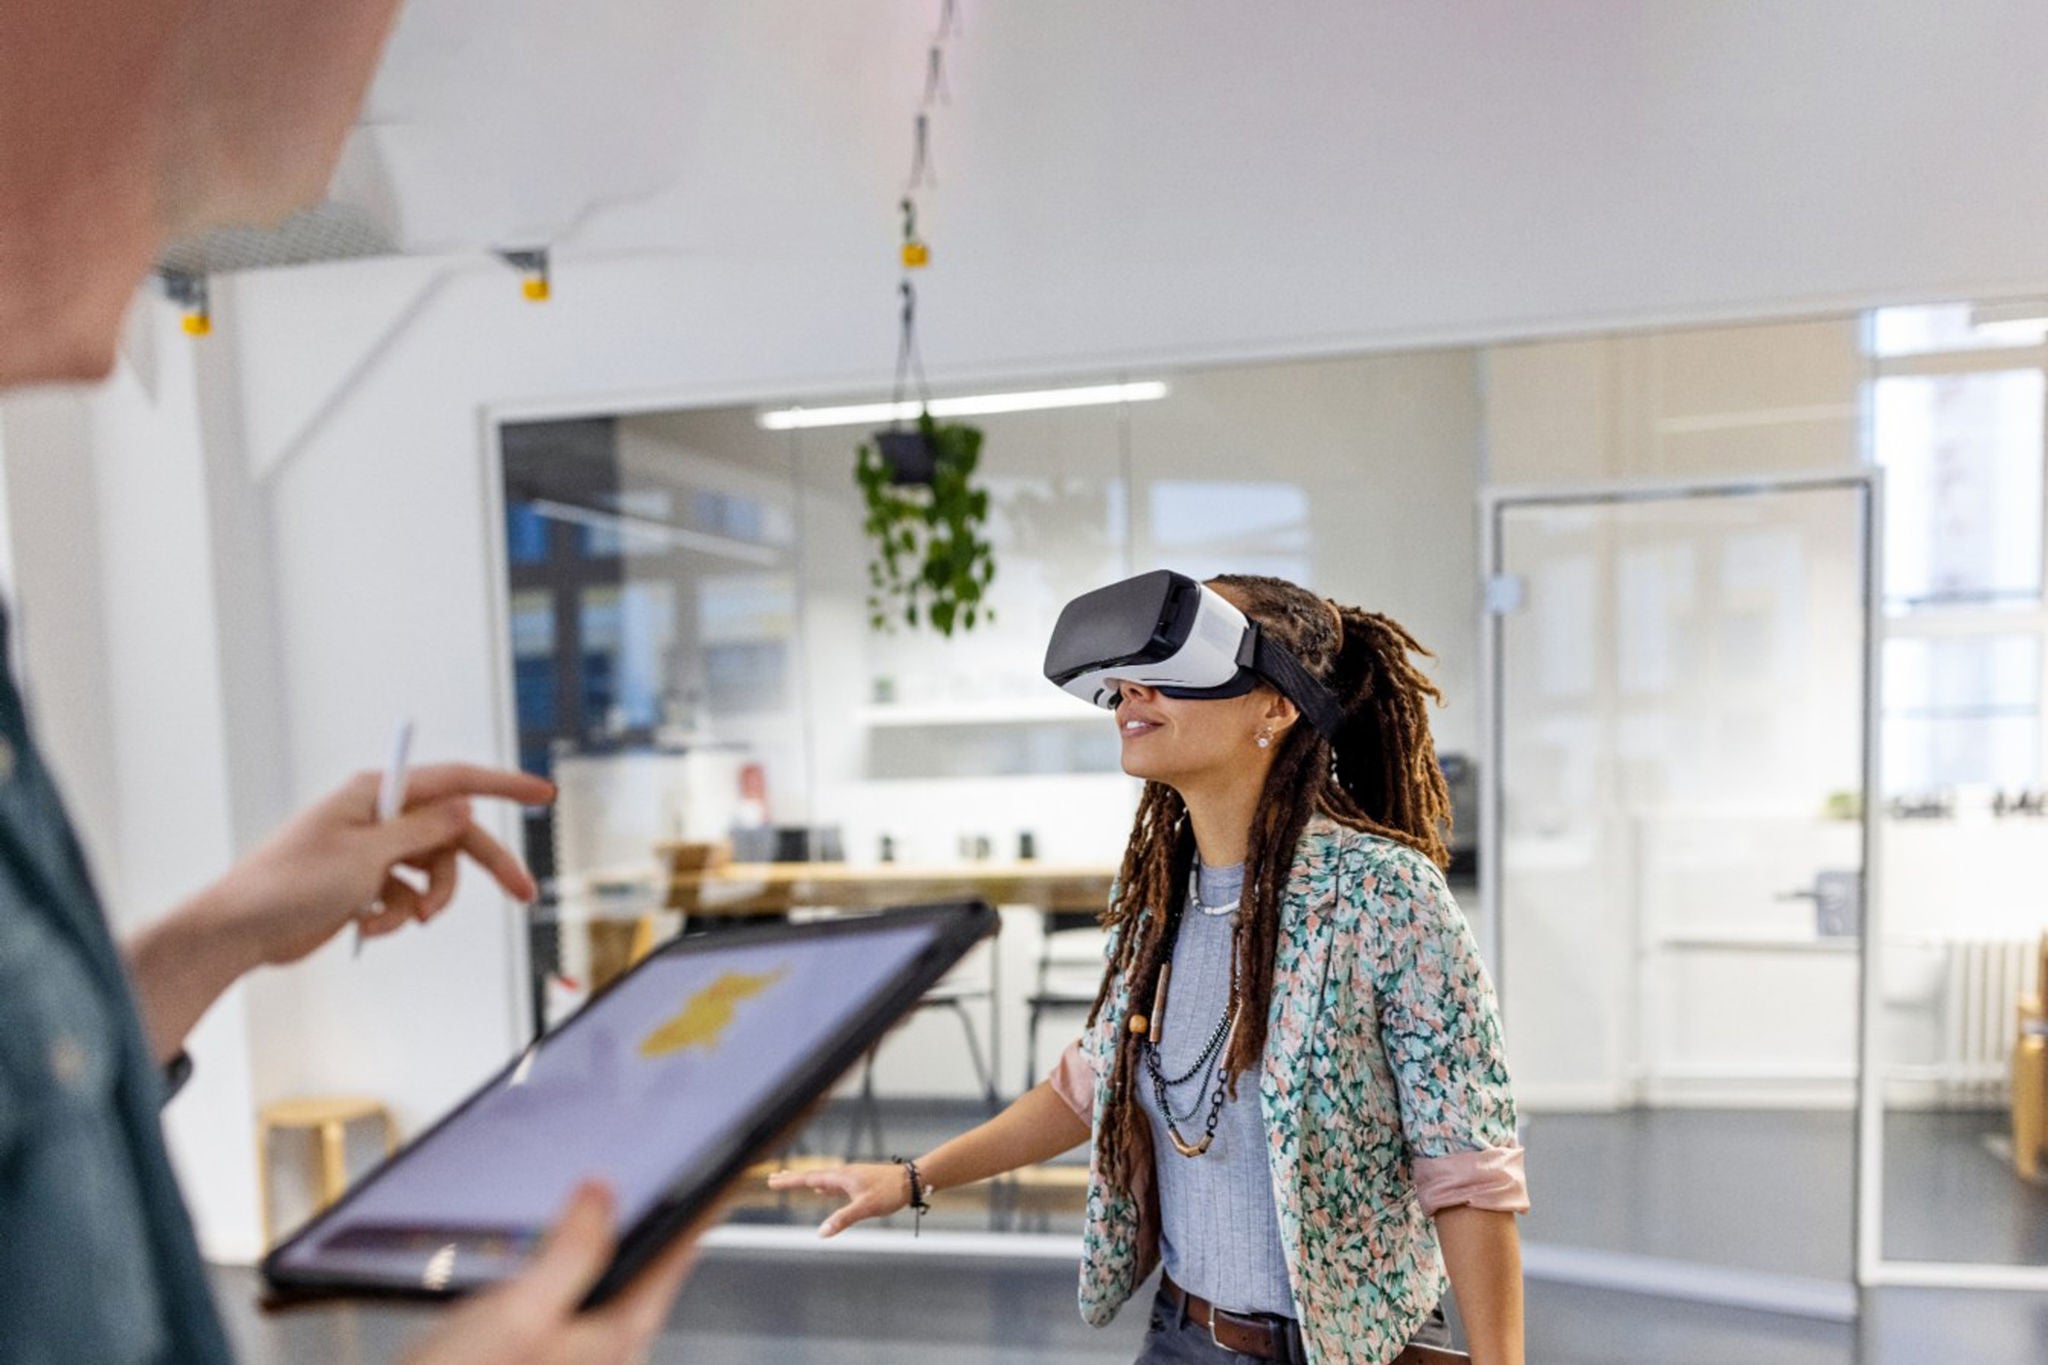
122,127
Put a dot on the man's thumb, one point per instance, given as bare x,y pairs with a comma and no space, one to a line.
578,1249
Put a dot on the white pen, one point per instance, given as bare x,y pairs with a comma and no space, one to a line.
390,802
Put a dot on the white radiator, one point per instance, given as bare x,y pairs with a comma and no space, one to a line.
1986,978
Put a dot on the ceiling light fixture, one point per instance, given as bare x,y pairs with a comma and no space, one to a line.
1033,400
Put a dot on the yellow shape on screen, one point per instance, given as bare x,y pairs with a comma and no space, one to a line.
704,1018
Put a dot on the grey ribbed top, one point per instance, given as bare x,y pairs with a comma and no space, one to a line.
1219,1230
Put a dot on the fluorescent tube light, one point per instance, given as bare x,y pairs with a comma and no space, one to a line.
1034,400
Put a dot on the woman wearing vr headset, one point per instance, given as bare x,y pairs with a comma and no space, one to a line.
1293,1070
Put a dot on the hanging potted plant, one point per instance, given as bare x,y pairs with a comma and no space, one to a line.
932,562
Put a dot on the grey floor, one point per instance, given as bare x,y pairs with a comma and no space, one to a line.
1765,1190
1774,1190
796,1311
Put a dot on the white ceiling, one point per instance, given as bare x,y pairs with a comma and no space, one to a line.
1209,168
619,124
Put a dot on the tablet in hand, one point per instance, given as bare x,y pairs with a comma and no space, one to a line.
666,1085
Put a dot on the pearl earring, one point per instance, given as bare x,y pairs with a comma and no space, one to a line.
1264,739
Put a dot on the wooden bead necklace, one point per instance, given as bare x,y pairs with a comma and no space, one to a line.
1213,1052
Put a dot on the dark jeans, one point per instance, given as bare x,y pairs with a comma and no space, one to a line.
1171,1341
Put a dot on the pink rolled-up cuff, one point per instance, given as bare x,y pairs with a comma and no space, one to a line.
1073,1080
1489,1178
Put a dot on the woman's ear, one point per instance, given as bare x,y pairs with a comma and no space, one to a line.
1280,714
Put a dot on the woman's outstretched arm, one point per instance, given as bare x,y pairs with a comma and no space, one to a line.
1038,1126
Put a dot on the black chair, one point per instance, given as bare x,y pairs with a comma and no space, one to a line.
946,995
1048,996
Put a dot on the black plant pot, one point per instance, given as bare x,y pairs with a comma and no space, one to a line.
911,459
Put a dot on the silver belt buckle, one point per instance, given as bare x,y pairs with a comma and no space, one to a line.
1215,1316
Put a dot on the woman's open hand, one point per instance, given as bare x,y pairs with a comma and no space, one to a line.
871,1190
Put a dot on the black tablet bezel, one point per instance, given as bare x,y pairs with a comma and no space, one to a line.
961,924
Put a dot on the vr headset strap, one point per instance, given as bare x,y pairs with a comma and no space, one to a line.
1277,664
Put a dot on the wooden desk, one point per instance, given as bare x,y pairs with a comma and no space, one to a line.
741,889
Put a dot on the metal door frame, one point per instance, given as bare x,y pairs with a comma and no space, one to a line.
1803,1296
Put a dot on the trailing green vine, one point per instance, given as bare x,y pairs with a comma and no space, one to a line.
932,563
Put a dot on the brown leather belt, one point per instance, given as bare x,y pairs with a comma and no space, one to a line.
1270,1338
1251,1334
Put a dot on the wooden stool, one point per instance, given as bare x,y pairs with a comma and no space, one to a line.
326,1117
2029,1102
2030,1074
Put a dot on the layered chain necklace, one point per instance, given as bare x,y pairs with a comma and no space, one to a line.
1213,1052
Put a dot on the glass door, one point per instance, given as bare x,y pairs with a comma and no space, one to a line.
1674,875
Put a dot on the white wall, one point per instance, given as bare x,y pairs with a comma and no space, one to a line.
6,526
54,543
1117,187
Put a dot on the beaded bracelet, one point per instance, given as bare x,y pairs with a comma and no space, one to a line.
918,1203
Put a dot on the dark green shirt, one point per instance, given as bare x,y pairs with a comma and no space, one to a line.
98,1265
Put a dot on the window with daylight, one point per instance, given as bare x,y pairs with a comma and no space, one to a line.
1957,401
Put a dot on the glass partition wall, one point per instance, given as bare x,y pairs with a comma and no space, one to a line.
1767,932
1679,864
1956,1043
1684,879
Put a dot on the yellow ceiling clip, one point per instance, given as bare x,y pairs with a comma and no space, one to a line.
188,292
916,253
532,265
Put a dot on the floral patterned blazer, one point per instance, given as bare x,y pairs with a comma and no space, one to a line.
1384,1092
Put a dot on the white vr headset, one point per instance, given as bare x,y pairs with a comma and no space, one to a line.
1180,637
